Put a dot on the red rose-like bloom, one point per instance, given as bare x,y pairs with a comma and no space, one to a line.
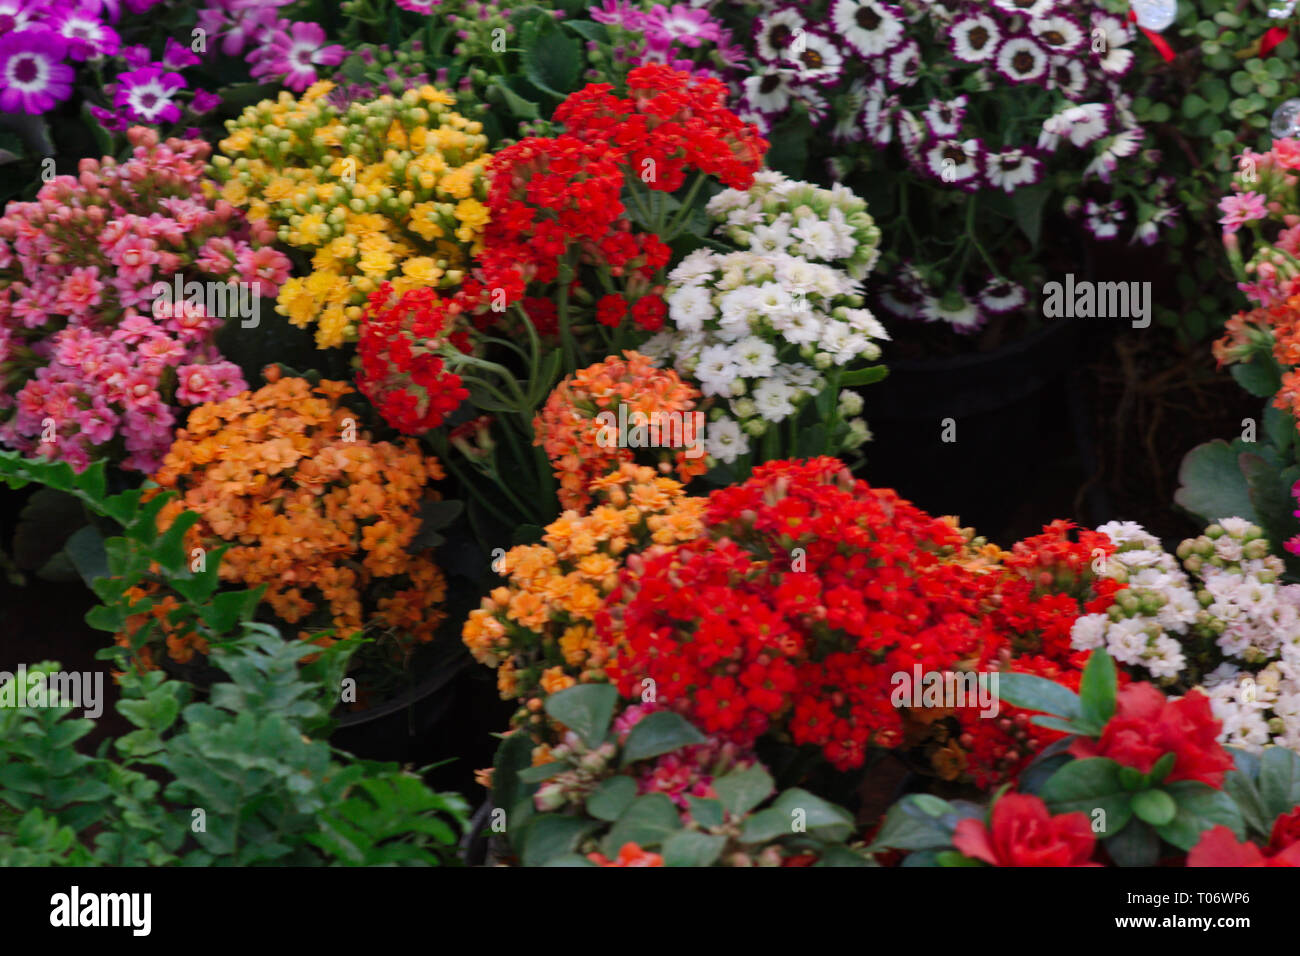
1219,847
1025,834
1147,725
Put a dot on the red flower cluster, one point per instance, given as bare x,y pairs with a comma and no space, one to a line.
402,372
1147,725
671,123
1024,833
815,591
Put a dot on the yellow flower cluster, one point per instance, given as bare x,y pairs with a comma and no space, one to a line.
539,632
315,511
390,190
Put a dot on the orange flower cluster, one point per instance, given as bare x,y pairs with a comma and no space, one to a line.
581,447
538,632
315,511
1277,327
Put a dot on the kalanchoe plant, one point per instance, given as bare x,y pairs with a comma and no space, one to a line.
602,801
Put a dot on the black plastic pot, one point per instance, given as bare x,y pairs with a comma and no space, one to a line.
1010,414
387,731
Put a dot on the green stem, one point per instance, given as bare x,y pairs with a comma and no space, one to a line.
684,212
566,332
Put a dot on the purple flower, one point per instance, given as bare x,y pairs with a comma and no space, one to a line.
86,35
14,15
418,6
619,13
32,75
294,54
146,94
664,26
177,56
137,56
205,101
240,23
109,119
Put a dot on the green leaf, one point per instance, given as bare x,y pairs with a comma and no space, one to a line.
1212,485
822,819
1135,845
837,855
520,107
551,835
742,790
1065,726
1028,210
765,826
585,709
1097,689
661,732
588,30
1089,785
552,59
908,826
648,821
689,848
1241,788
706,811
1200,808
954,858
1154,807
1259,377
611,798
864,376
86,551
1030,692
1279,781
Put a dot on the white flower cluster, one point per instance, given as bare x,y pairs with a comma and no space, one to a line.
1224,604
758,328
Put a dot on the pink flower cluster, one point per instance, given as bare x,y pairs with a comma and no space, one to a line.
687,772
92,359
1261,217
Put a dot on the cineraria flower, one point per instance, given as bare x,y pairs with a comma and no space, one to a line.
146,94
1067,76
1059,34
1115,58
87,36
32,75
769,93
1082,124
955,162
975,38
1010,169
944,116
295,53
956,310
1148,231
1124,143
1002,296
904,65
1103,220
663,26
774,35
419,6
818,61
868,26
1026,8
1021,60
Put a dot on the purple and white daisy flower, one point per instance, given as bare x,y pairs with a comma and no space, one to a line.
774,34
878,114
665,26
868,26
1059,34
1068,76
1026,8
33,76
975,39
1122,144
145,95
1002,296
295,52
1021,60
1147,232
904,65
1103,221
1110,38
1009,169
955,309
911,134
768,93
955,162
904,296
818,61
944,116
86,35
1082,124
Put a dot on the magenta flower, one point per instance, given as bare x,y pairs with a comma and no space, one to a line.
146,95
664,26
86,35
418,6
1241,208
14,15
295,53
205,101
32,75
177,56
619,13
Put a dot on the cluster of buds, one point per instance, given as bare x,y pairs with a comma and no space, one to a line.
586,768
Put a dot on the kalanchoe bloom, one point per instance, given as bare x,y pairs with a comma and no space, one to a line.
975,39
145,95
868,26
33,77
86,35
1241,208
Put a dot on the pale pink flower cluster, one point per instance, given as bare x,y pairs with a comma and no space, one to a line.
92,363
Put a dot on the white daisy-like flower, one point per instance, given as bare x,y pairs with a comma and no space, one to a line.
716,370
954,162
817,238
869,27
771,237
861,320
1067,76
904,65
962,315
878,115
944,116
775,34
1166,658
754,357
769,92
798,328
1086,122
725,441
1021,60
1110,36
975,39
1001,296
1060,34
1089,632
818,60
1010,169
1026,8
689,307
